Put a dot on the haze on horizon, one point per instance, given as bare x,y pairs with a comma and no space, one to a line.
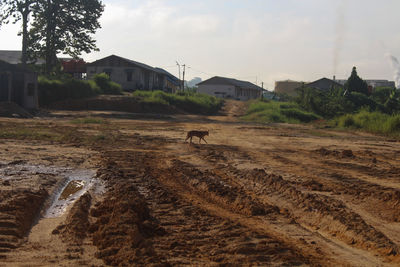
258,40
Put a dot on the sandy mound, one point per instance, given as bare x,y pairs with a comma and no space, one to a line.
12,110
123,226
77,222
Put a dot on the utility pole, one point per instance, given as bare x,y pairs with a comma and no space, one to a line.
262,91
183,78
179,69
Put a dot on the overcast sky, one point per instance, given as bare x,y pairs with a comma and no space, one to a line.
254,40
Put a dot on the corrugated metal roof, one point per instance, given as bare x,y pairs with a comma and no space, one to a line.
5,66
169,76
230,81
138,64
14,57
130,62
329,80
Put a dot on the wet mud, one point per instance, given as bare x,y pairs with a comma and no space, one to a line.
255,195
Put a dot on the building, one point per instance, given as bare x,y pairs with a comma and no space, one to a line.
74,67
133,75
324,84
374,83
287,87
172,83
269,95
14,57
18,85
229,88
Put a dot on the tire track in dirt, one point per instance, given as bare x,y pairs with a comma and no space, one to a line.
189,233
320,176
18,211
322,213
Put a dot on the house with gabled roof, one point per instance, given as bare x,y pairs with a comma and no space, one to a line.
14,57
18,85
133,75
324,84
229,88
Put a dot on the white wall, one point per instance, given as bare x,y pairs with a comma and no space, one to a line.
31,101
226,91
247,93
222,91
119,75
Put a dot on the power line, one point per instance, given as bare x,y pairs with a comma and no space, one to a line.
203,72
168,67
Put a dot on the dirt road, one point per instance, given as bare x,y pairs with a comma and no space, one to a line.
254,195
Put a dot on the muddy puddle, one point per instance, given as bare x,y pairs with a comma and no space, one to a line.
70,185
76,183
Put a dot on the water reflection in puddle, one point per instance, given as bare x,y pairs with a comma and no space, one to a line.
73,183
71,188
77,183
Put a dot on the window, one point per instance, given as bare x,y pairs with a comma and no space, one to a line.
31,89
129,76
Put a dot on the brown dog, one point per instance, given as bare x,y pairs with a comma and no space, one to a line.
199,134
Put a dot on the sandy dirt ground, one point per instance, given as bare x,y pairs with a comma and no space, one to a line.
129,191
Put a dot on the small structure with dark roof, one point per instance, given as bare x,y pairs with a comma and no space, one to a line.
287,87
324,84
229,88
133,75
14,57
74,67
18,85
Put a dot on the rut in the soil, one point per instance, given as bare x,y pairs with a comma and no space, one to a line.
345,173
169,228
320,212
18,211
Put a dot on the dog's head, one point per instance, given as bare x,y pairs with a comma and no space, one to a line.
207,132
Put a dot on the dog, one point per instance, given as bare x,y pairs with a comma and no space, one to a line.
199,134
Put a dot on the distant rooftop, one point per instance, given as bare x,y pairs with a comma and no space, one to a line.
136,63
288,80
14,57
230,81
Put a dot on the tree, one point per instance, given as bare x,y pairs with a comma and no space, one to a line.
356,84
15,10
64,26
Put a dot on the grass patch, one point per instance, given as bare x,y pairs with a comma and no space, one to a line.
28,133
88,120
272,111
373,122
59,134
187,101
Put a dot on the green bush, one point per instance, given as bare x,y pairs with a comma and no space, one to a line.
374,122
299,115
53,90
107,86
347,121
392,125
272,111
190,102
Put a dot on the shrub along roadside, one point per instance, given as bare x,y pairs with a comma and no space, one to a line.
187,101
271,111
53,89
373,122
